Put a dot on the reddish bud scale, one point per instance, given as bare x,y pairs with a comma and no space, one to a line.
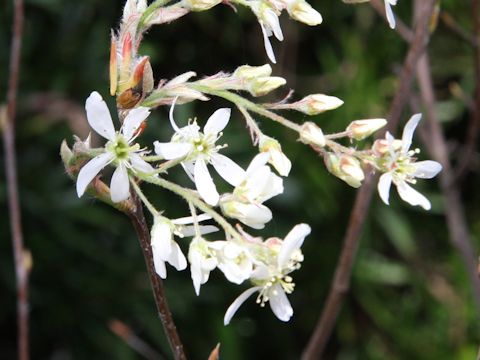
113,67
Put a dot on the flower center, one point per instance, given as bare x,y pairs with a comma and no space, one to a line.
120,147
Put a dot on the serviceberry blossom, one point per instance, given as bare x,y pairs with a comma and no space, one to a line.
197,149
246,201
400,166
270,24
389,12
118,151
270,276
277,158
202,256
165,249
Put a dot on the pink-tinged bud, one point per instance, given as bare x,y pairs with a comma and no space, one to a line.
113,66
381,147
277,158
247,72
360,129
346,168
312,134
316,104
263,85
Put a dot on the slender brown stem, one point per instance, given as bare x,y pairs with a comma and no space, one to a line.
21,256
474,124
343,271
138,219
437,146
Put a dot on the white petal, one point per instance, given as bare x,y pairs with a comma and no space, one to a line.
228,169
177,259
280,162
253,215
90,170
279,303
133,121
408,131
189,168
99,117
189,219
383,187
412,196
274,23
217,121
292,242
390,16
171,151
204,229
160,268
120,184
204,183
268,45
427,169
258,161
232,309
197,276
139,164
162,238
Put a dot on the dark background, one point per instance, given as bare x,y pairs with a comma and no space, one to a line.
410,296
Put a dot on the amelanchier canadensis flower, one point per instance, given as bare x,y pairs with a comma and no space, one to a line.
197,149
246,201
270,276
119,150
401,167
164,247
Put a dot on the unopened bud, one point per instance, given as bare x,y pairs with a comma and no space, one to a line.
360,129
201,5
317,103
312,134
277,158
346,168
302,11
263,85
247,72
382,146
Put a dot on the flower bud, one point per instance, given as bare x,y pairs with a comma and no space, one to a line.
253,215
247,72
65,153
312,134
200,5
302,11
346,168
381,146
263,85
277,158
317,103
360,129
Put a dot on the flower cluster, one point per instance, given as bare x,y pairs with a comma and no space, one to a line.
266,264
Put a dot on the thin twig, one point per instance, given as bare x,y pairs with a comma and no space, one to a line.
138,219
436,144
21,255
474,124
341,282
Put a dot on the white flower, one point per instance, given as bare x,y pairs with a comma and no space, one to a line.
259,185
202,256
197,149
270,24
277,158
165,249
118,150
389,12
271,277
401,168
235,261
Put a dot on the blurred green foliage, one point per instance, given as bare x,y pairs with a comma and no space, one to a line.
410,296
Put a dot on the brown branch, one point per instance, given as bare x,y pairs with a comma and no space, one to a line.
343,271
138,219
474,124
436,144
21,255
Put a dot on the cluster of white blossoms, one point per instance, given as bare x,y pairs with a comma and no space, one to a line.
266,264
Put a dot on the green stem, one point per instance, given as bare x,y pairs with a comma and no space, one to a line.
149,11
144,199
238,100
191,197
